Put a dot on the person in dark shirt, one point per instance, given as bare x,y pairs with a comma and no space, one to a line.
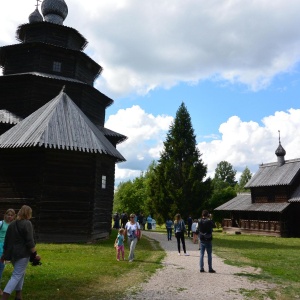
205,227
169,226
19,247
189,224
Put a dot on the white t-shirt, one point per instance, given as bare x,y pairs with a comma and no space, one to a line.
131,229
194,227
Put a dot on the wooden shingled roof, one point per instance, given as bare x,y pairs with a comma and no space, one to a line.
243,202
272,174
296,195
110,133
59,124
8,117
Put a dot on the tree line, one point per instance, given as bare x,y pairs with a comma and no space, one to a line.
178,182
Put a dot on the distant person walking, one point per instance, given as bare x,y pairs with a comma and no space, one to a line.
140,219
131,229
189,224
124,219
116,220
194,233
169,227
149,222
179,228
9,216
205,227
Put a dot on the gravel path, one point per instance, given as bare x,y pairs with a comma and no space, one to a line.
180,278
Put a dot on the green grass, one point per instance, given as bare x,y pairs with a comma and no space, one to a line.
278,259
87,271
90,271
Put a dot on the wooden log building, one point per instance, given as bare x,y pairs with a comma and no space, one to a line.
55,153
273,206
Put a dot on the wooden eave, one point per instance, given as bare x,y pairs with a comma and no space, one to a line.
243,202
107,101
118,137
59,124
21,31
273,175
295,196
8,117
96,68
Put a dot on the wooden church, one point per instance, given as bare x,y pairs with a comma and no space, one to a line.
55,153
273,206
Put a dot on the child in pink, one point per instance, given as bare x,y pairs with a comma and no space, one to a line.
120,244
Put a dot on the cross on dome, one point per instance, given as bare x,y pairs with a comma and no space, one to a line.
37,3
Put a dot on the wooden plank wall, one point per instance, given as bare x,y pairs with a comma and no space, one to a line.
103,197
39,58
33,92
66,202
64,189
20,179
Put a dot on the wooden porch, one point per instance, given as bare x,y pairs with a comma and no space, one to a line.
271,228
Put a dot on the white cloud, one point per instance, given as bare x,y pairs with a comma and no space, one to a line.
241,143
145,134
146,44
249,144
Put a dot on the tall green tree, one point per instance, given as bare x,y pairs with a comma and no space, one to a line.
225,173
178,184
130,196
245,177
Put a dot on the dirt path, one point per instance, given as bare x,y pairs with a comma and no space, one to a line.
180,278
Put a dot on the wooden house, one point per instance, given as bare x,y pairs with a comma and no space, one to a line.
273,206
55,153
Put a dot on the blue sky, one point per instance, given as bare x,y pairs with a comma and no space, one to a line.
235,64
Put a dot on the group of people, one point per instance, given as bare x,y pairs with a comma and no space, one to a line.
17,246
123,218
201,229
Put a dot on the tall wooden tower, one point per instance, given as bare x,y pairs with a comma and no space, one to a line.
55,153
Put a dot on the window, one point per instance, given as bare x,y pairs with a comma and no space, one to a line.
56,66
104,181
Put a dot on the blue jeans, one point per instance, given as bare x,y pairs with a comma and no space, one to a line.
169,233
131,243
208,247
17,278
2,266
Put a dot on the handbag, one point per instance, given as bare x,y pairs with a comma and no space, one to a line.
138,233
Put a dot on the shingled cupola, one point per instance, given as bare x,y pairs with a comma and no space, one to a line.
280,152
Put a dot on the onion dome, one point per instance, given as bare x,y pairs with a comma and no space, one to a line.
35,17
54,11
280,152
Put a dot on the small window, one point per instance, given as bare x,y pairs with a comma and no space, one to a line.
103,181
57,66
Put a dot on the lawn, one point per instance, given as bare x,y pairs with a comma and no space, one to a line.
278,259
87,271
90,271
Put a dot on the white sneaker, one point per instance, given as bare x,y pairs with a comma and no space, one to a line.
178,254
131,260
186,254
